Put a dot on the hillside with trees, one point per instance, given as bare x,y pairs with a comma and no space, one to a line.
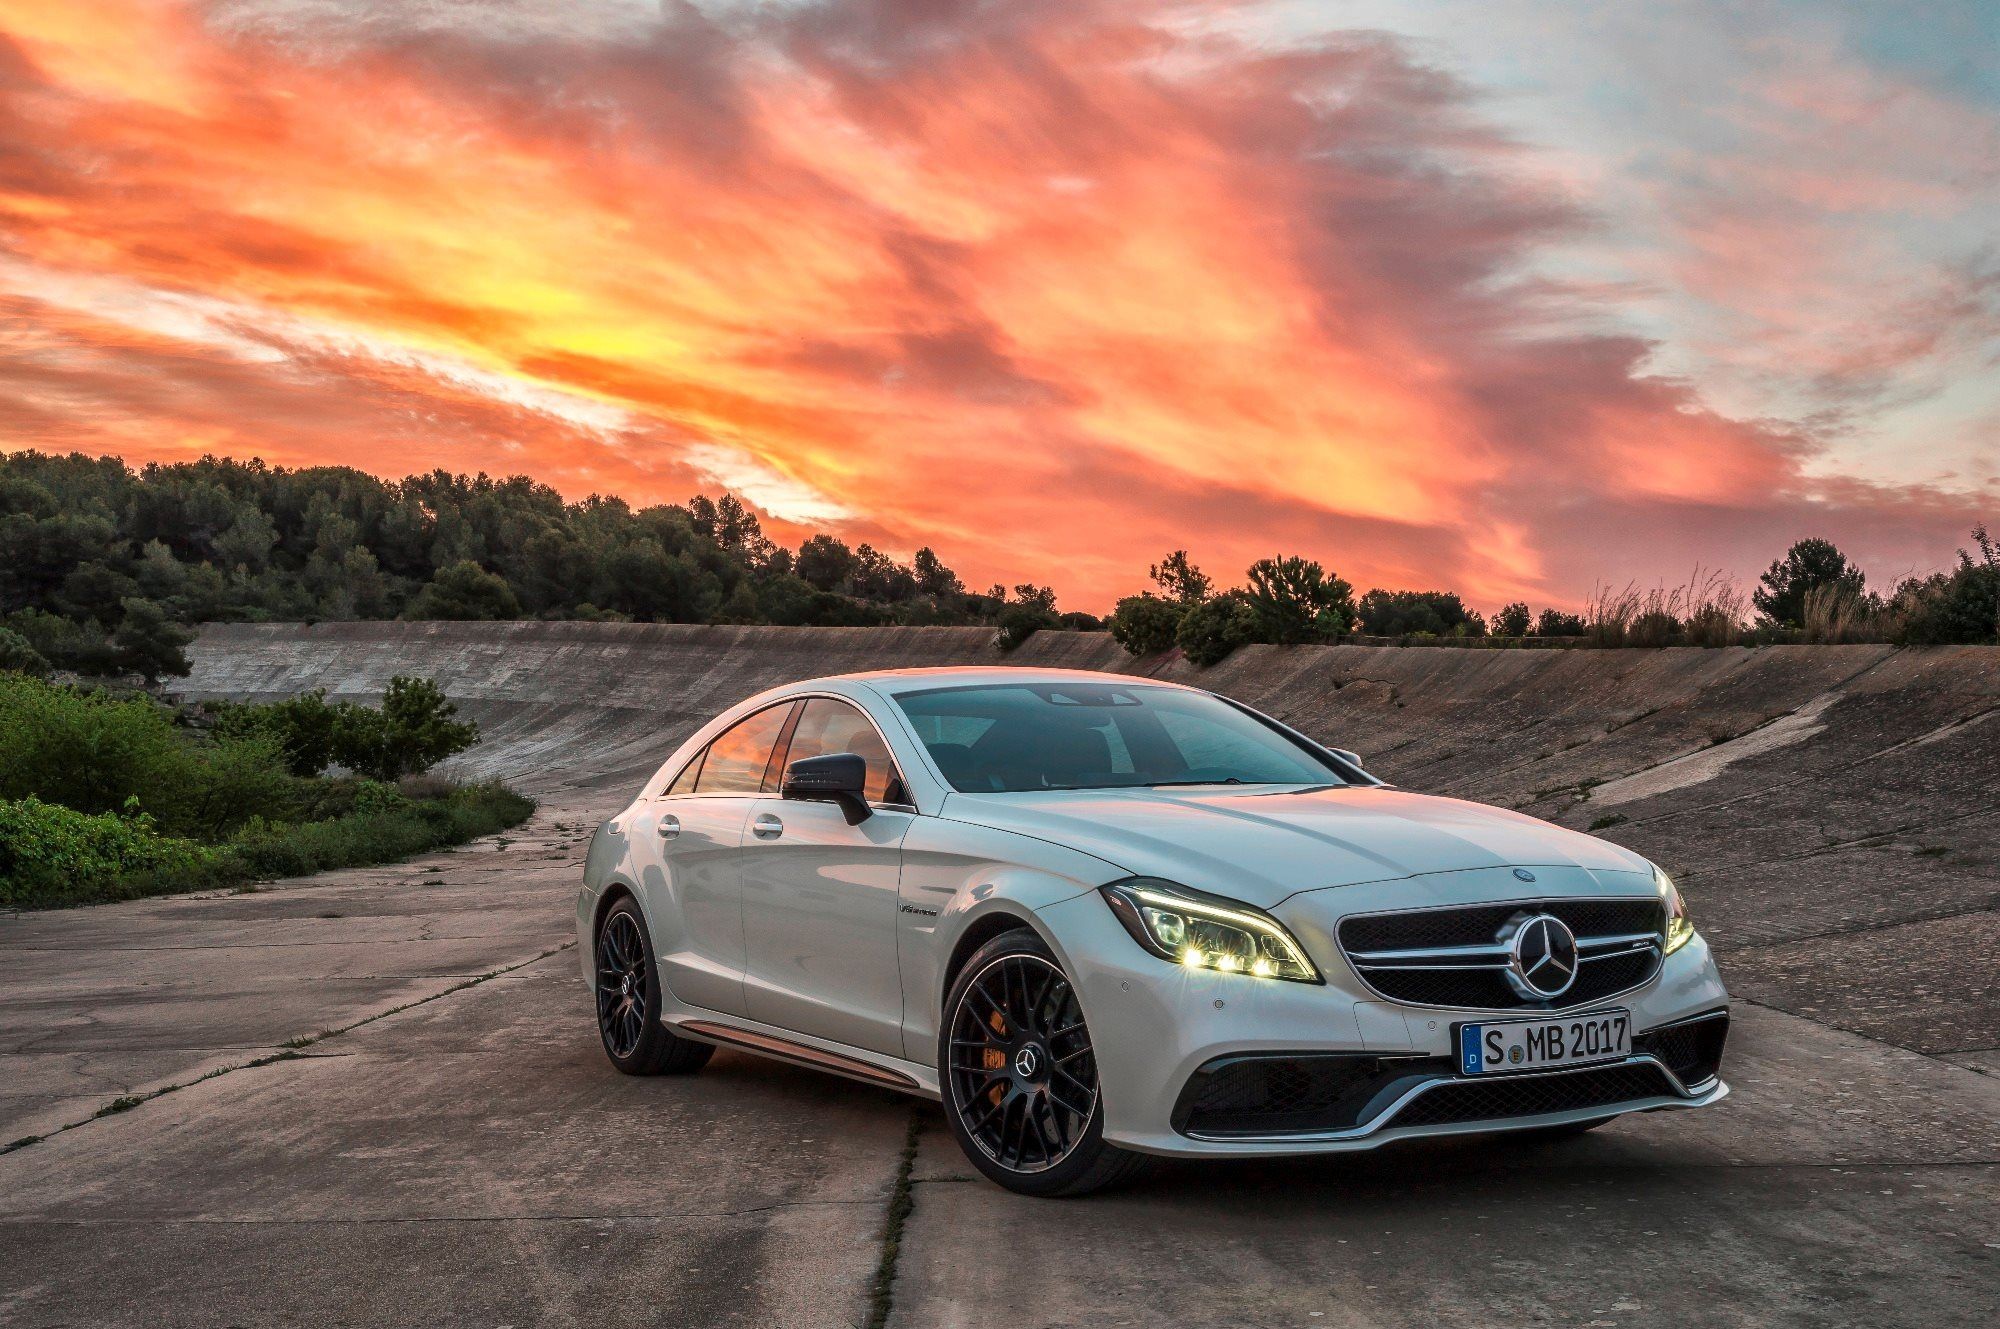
103,570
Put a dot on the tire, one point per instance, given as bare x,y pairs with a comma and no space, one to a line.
1033,1124
628,1000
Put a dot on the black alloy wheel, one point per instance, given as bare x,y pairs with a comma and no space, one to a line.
1020,1074
628,1000
622,984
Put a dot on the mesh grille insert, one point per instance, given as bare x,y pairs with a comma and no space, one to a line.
1532,1095
1693,1050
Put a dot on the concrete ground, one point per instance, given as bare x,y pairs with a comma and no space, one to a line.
376,1097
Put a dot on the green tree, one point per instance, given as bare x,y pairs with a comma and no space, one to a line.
466,592
1296,601
415,729
1146,624
1211,630
150,644
1512,620
1022,619
933,577
305,728
824,562
1180,580
1555,623
1406,613
19,655
1806,566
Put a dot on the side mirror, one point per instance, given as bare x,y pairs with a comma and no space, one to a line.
838,777
1351,758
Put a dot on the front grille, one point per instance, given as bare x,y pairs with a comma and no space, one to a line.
1692,1049
1532,1095
1288,1094
1479,981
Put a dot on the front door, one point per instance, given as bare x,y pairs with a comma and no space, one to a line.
820,896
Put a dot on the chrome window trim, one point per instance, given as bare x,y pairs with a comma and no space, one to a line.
786,700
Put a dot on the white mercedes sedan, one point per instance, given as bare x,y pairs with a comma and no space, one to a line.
1103,918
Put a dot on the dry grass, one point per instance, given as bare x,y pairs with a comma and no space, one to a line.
1709,610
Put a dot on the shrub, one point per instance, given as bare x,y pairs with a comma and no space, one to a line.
1555,623
305,728
1145,624
93,752
19,655
1214,628
1406,613
1296,601
1512,621
56,855
413,731
1022,619
1960,607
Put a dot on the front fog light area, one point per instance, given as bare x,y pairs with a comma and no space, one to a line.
1207,932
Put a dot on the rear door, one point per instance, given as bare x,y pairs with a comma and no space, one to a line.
693,885
820,896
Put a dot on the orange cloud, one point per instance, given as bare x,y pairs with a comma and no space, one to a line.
1052,287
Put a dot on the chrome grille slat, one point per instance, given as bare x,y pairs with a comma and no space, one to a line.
1621,939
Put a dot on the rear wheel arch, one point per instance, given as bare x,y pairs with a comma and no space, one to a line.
608,897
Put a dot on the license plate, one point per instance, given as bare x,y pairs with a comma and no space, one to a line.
1525,1045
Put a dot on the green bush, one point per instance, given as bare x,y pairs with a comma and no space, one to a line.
1022,620
414,731
1146,624
1214,628
1296,601
305,728
95,753
53,856
19,654
56,855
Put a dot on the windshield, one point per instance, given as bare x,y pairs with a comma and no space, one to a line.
1014,737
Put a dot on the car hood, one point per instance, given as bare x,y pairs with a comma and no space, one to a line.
1261,846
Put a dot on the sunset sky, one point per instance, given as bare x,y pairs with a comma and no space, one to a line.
1510,298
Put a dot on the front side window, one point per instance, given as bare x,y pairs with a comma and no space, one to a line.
828,726
739,756
1014,737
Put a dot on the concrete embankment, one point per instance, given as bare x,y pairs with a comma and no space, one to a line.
1831,810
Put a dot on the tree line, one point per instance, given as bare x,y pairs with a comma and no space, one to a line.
103,567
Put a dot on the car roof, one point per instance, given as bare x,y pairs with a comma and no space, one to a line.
893,681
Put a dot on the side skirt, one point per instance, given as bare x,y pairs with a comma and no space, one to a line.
800,1054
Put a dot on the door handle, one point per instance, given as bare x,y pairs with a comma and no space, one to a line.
670,826
767,827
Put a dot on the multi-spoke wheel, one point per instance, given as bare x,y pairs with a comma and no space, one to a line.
1020,1075
628,1000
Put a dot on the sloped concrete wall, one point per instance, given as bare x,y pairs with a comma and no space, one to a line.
1833,811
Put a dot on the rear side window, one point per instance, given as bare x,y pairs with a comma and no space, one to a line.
684,782
739,756
826,726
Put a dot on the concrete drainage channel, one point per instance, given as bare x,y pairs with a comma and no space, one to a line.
459,1153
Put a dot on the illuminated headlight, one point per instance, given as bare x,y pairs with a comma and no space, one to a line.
1206,931
1680,928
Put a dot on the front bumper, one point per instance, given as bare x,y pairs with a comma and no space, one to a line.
1157,1027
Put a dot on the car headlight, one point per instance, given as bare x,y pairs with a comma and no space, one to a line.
1680,928
1207,931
